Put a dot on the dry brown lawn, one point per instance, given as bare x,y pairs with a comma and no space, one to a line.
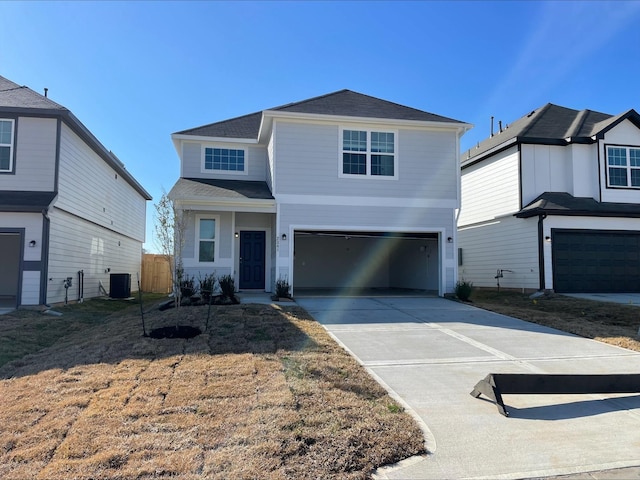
264,393
612,323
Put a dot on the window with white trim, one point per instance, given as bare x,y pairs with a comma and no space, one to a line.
224,160
6,145
368,153
623,166
207,228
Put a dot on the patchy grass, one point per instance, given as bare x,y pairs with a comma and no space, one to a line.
25,331
263,393
612,323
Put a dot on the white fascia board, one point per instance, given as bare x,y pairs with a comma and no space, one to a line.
366,201
231,205
314,117
203,138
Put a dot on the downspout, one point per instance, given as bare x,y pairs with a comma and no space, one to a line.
541,218
44,256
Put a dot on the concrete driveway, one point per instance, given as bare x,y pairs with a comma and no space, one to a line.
430,352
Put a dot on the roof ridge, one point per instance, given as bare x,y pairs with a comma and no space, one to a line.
577,123
300,102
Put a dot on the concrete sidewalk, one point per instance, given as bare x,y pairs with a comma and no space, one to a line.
430,352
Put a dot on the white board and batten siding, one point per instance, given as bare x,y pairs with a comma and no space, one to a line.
192,165
623,134
490,189
504,243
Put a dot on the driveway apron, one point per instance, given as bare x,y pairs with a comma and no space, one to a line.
430,352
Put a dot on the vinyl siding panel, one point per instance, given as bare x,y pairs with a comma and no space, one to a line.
76,245
35,156
490,188
255,162
308,162
91,189
32,223
506,243
30,288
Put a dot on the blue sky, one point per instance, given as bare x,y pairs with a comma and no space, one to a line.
135,72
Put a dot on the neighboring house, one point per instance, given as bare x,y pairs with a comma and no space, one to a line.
341,191
553,200
66,204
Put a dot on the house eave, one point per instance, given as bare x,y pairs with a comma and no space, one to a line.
226,204
575,213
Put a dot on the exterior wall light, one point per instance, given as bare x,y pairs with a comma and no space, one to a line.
284,236
32,243
547,239
450,239
237,234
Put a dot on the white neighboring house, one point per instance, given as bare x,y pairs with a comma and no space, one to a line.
342,191
67,204
553,201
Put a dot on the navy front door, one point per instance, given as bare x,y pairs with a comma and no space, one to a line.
252,251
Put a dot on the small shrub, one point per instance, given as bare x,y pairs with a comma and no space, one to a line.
464,290
228,287
207,284
188,286
283,288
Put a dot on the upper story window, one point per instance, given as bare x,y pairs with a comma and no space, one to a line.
6,145
224,160
207,228
623,166
368,153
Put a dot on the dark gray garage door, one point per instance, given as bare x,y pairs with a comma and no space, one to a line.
595,261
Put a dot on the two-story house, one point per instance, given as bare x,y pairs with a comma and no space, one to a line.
68,206
552,202
342,192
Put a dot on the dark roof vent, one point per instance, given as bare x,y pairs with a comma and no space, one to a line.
46,90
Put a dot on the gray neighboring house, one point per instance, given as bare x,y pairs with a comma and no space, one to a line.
553,201
342,191
67,204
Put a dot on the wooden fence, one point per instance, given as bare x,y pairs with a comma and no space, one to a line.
156,275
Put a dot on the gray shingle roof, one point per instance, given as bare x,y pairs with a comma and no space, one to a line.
561,203
19,201
340,103
550,125
16,99
14,95
194,188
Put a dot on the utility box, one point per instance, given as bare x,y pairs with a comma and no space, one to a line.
120,285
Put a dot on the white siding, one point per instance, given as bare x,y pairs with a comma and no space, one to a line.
35,156
308,161
506,243
193,155
545,168
91,189
30,288
490,188
76,245
584,171
269,168
625,134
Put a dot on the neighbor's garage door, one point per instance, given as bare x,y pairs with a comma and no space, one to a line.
588,261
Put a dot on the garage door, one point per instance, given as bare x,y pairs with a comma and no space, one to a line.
348,261
588,261
10,261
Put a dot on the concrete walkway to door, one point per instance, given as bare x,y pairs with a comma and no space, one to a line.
430,352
